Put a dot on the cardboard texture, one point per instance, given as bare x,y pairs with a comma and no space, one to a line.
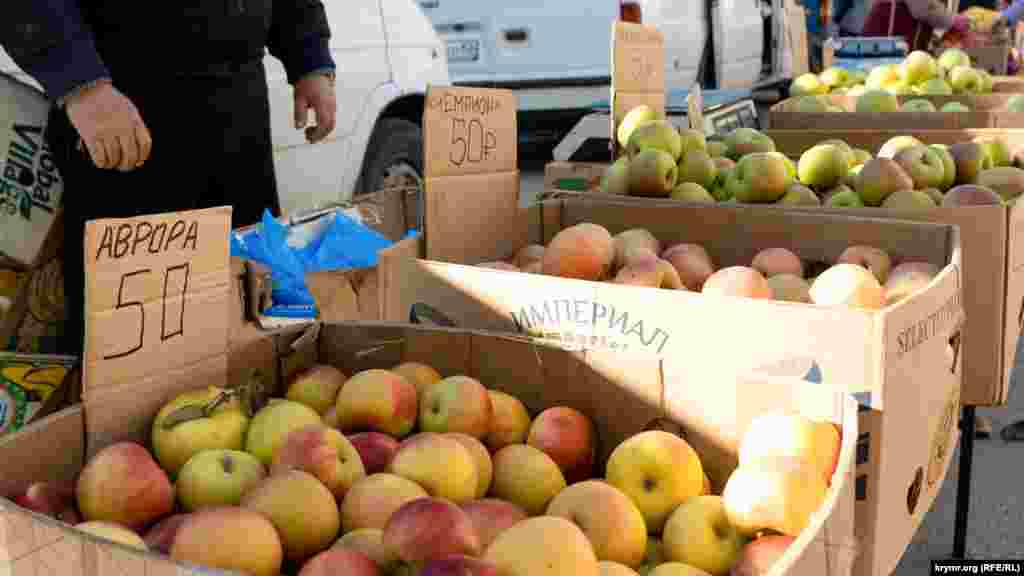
1008,84
622,393
900,359
987,111
157,300
343,295
796,39
30,186
638,73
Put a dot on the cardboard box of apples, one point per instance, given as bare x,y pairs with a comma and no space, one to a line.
402,450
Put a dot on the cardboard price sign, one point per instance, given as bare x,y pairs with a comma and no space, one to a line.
695,107
157,294
638,72
470,162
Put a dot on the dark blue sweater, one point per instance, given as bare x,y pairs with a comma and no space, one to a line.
50,41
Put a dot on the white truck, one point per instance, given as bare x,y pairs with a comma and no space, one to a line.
555,55
387,54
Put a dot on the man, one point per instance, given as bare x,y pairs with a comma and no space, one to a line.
914,20
163,106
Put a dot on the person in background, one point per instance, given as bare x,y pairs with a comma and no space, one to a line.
914,20
1008,17
163,106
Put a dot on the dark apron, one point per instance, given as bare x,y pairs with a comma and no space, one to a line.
893,18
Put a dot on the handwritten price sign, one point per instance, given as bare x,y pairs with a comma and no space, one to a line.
157,290
469,131
638,58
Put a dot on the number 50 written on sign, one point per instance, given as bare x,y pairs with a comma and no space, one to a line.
472,142
170,327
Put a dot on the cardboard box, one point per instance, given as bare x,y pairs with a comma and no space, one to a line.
903,360
32,300
986,111
622,394
34,386
30,186
1008,84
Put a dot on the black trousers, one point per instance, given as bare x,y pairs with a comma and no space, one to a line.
989,4
211,147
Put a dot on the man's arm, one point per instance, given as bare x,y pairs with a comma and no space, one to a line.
299,37
50,42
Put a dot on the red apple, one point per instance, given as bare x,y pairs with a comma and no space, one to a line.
491,517
459,565
567,436
53,499
161,536
428,529
376,450
338,561
758,556
123,484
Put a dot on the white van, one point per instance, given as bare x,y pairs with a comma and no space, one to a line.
387,53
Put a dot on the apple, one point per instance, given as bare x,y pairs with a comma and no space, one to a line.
657,134
300,507
510,422
698,533
459,565
909,200
123,484
272,424
636,116
420,375
693,140
652,172
633,242
918,105
845,198
936,87
567,436
160,537
323,452
442,465
697,167
429,529
879,178
658,471
924,166
759,178
856,91
971,159
882,76
378,400
773,261
715,148
526,477
971,195
692,263
317,387
229,538
370,541
897,144
491,517
965,80
790,288
848,285
874,101
799,195
919,66
53,499
823,166
607,568
907,278
792,435
175,442
996,149
807,84
948,166
743,141
543,545
779,494
372,500
986,81
1007,181
761,554
835,77
456,404
330,418
1015,103
376,450
676,569
616,178
112,532
217,478
609,519
738,282
348,562
874,259
953,57
809,105
481,460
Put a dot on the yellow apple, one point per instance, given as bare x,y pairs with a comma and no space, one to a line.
774,493
272,424
317,387
217,478
302,510
527,477
229,538
418,374
543,546
174,443
456,404
441,465
676,569
610,520
372,500
510,422
795,435
481,460
607,568
699,533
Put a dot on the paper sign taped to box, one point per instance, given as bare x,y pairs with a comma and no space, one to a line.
638,72
469,131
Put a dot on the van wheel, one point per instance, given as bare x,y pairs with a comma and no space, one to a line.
395,159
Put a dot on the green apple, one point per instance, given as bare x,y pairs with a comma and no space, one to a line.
699,534
835,77
953,57
918,67
996,149
948,166
789,164
695,140
954,107
175,441
809,104
761,177
799,195
807,84
882,76
822,166
272,424
616,177
692,192
860,156
918,105
844,198
924,166
715,148
652,172
697,167
743,141
877,101
217,478
635,117
1015,103
935,87
971,159
879,178
894,145
965,80
657,134
846,148
908,200
986,81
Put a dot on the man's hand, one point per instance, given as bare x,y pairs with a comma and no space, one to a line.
110,127
315,92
